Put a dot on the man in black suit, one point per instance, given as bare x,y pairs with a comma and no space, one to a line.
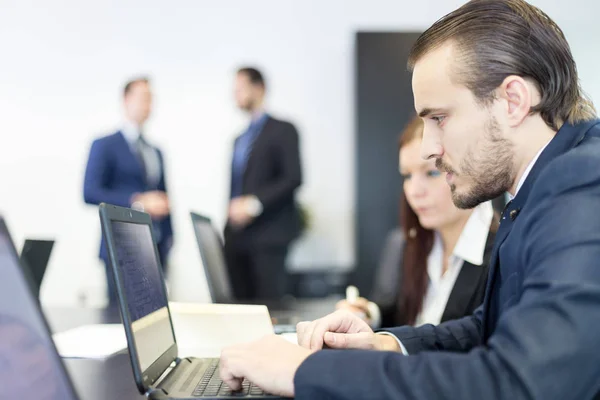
262,217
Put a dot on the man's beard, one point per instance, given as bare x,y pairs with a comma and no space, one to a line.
249,105
490,169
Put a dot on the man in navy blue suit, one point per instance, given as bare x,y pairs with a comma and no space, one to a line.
497,88
123,169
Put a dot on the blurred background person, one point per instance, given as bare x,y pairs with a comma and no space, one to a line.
123,169
263,217
435,267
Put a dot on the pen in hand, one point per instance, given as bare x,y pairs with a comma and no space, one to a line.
352,296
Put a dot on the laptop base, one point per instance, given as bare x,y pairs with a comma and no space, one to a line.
198,378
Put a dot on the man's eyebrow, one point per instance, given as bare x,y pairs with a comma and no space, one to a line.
428,111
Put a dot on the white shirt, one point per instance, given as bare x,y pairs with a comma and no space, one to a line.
132,131
527,171
470,247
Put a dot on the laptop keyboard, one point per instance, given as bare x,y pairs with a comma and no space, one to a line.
212,385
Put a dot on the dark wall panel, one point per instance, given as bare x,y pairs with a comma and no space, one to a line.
384,104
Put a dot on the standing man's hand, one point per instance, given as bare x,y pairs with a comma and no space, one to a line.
343,330
243,209
270,363
155,203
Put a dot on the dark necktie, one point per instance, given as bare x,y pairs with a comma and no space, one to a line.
140,145
241,153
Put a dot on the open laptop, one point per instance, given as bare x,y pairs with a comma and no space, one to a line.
213,260
217,275
30,367
158,371
35,256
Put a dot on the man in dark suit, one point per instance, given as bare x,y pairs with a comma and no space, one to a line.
503,111
262,217
123,169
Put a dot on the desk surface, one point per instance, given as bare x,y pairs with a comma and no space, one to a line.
113,378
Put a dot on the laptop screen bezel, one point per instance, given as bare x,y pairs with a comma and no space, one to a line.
58,362
143,378
215,294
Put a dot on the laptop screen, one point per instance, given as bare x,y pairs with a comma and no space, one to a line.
143,286
35,256
211,252
30,368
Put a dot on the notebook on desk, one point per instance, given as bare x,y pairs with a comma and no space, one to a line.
159,372
30,367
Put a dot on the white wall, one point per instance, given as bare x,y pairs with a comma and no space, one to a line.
63,65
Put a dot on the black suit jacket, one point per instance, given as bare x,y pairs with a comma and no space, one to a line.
535,335
466,296
273,173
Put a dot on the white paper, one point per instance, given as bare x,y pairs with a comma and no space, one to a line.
202,330
91,341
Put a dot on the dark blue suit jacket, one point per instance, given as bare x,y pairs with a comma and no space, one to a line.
113,175
537,334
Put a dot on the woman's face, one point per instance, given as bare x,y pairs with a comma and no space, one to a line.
426,190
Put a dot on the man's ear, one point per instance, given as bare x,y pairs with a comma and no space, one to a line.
519,96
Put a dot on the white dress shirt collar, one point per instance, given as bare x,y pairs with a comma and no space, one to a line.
526,172
258,114
131,131
470,246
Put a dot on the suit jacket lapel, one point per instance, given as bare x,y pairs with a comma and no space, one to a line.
466,285
128,154
567,137
463,290
501,235
256,142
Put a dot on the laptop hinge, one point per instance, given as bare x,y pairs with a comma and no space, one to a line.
157,394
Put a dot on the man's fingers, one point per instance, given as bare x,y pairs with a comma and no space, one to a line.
363,340
307,335
338,321
304,332
229,371
316,339
232,381
310,335
301,330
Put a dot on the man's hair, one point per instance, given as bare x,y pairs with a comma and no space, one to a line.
498,38
254,75
129,85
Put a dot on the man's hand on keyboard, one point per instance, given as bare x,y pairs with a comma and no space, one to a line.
269,363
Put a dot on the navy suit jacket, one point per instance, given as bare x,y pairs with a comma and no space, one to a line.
113,175
537,333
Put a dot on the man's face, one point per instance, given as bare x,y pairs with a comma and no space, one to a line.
138,102
247,95
467,139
